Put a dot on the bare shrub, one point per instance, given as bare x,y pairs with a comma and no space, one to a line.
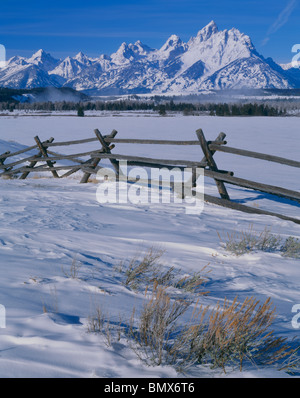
156,326
291,248
141,266
99,323
241,242
235,333
229,335
163,277
96,321
73,271
193,283
146,269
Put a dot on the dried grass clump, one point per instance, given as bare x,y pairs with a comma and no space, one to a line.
146,269
74,269
241,242
96,322
235,333
142,267
230,335
100,323
193,283
156,326
291,247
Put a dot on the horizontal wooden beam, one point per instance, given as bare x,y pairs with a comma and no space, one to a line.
246,209
16,163
149,142
256,155
160,162
52,158
156,142
44,168
271,189
80,161
154,165
75,142
30,148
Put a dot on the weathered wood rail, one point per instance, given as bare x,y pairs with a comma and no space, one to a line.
44,160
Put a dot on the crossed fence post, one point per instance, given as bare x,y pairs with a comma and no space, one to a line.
211,163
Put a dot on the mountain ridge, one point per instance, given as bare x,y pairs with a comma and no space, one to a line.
212,60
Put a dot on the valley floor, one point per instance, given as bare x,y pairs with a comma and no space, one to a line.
47,224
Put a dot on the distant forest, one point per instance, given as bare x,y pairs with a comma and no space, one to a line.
67,99
162,109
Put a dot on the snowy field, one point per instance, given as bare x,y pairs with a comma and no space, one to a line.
47,223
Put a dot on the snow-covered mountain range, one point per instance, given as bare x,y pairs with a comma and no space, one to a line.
212,60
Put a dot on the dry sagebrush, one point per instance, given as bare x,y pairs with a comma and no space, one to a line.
173,328
241,242
235,333
229,335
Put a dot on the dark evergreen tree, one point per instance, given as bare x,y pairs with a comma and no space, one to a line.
80,112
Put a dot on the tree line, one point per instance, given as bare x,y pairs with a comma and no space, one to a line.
162,108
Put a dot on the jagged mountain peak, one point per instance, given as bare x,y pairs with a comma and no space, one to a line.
123,55
40,55
16,60
80,56
70,67
123,46
141,48
173,41
208,30
43,60
241,37
218,38
173,48
130,52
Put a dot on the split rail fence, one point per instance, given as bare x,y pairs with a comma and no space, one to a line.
45,161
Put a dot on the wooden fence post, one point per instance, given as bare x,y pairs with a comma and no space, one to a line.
2,160
31,166
220,138
45,155
106,148
93,162
211,163
33,163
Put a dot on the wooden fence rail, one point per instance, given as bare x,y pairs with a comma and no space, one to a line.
43,159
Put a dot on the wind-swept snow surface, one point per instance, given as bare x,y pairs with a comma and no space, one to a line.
47,223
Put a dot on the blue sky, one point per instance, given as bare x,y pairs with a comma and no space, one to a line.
95,27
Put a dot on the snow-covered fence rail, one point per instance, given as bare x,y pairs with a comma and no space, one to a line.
209,149
45,161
